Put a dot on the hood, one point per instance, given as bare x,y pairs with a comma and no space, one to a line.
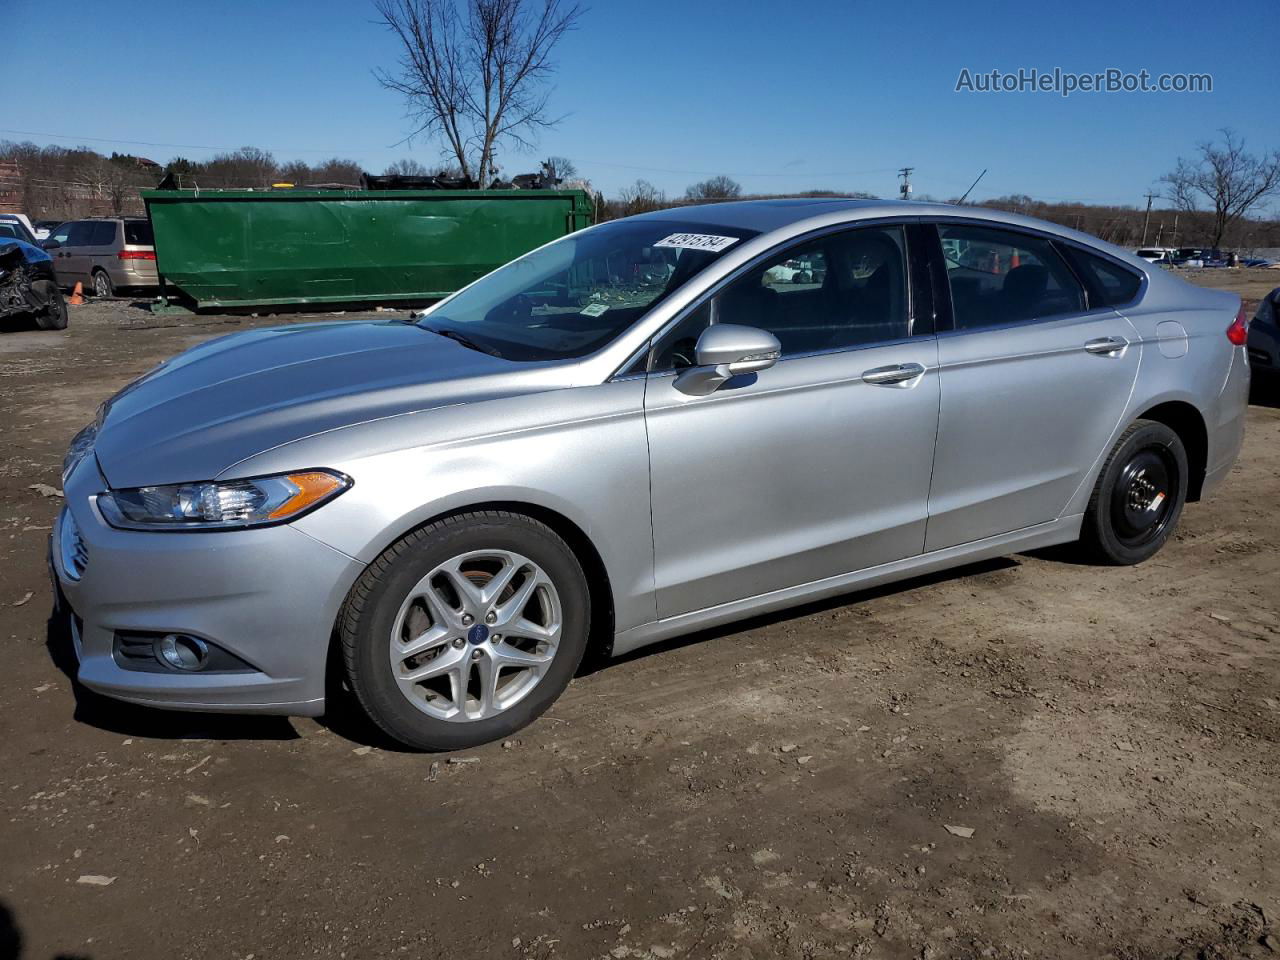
205,410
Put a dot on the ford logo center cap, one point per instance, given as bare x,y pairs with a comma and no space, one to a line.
478,634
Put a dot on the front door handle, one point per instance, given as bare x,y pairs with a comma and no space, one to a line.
895,373
1106,345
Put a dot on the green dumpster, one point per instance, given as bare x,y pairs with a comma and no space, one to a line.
248,248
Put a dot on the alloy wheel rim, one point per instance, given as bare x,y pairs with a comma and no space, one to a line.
476,635
100,284
1143,498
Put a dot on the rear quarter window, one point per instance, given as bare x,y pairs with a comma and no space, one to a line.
1110,284
139,232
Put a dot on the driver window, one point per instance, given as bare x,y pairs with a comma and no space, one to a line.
839,291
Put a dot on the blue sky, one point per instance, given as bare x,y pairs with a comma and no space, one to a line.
779,96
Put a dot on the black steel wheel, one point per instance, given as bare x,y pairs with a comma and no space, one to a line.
1138,497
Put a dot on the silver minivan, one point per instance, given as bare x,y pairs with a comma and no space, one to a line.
106,254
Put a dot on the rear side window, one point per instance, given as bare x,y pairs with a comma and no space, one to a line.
139,232
102,233
1001,276
1110,285
10,230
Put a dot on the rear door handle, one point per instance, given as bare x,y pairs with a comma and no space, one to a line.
1106,345
895,373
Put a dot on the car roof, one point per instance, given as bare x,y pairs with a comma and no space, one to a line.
795,215
766,215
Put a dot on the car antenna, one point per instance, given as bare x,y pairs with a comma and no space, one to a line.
960,202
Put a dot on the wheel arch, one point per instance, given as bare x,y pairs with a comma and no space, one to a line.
599,584
1186,420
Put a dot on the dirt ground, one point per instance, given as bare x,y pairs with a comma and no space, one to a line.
785,787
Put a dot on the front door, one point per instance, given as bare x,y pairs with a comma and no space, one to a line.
816,467
1033,385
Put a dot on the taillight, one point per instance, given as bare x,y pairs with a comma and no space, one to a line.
1238,332
136,254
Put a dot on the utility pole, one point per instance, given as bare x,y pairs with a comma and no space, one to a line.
1147,219
1174,242
904,192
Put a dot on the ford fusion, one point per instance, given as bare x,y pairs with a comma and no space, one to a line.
648,427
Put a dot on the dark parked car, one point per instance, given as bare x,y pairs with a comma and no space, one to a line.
1264,335
28,286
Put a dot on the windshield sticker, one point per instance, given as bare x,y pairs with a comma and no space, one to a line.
697,241
594,309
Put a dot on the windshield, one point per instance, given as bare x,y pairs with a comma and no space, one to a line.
574,296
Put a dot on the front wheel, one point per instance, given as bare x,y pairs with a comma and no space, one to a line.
466,630
54,314
1138,497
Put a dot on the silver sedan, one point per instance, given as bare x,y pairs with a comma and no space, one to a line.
648,427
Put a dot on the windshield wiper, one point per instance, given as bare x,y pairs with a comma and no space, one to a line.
463,339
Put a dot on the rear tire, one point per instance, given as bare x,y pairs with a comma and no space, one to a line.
428,592
1138,498
102,285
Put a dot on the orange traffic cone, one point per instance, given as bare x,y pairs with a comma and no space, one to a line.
77,295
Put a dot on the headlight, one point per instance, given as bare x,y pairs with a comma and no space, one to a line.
226,505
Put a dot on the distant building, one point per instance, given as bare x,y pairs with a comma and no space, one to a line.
10,187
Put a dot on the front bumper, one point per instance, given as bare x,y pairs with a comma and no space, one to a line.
268,596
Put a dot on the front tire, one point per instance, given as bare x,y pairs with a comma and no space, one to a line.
54,315
466,630
1138,498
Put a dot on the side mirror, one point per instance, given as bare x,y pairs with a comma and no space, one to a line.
49,244
724,351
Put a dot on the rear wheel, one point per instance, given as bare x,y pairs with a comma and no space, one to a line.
102,285
466,630
1139,496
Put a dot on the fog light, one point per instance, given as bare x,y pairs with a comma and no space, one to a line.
182,652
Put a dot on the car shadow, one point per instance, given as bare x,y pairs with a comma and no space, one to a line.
11,938
852,598
132,720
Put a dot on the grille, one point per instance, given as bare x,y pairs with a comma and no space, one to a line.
75,556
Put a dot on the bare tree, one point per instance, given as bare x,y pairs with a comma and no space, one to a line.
112,181
1232,181
337,170
408,167
559,169
246,167
641,197
717,188
477,79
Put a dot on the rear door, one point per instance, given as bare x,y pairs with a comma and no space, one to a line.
1033,384
816,467
101,249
